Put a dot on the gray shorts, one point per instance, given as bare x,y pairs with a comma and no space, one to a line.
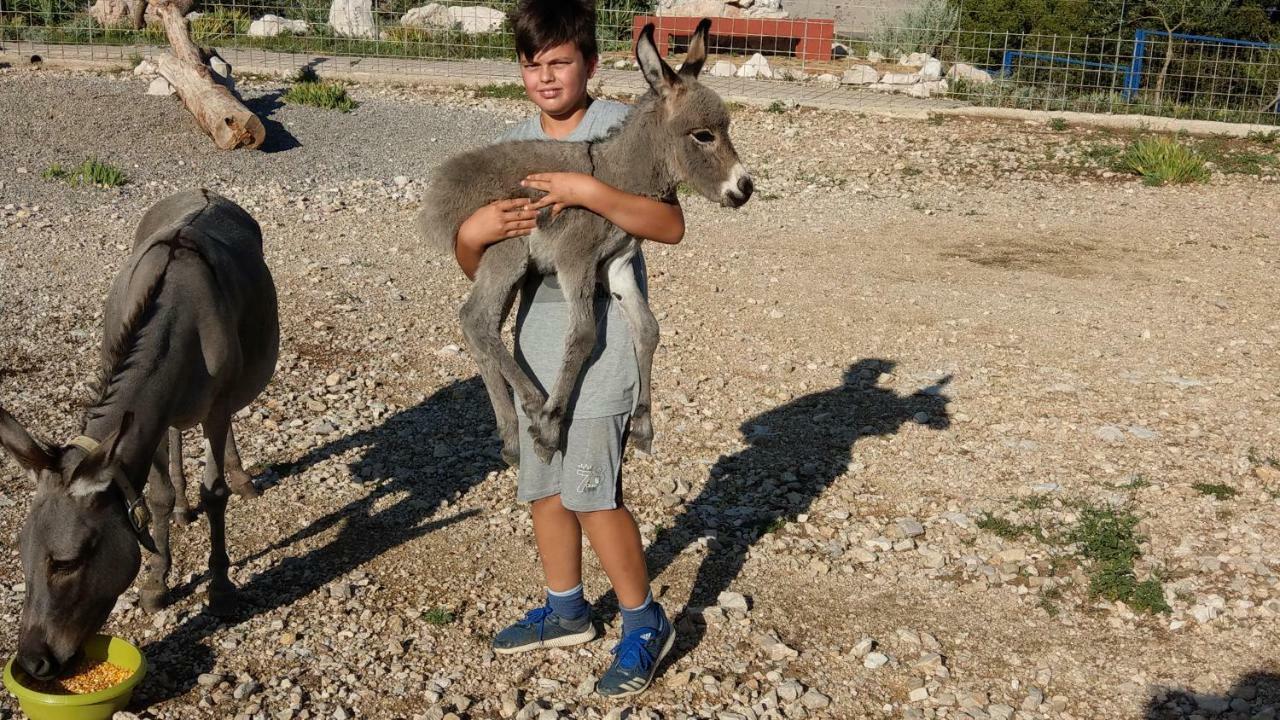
587,475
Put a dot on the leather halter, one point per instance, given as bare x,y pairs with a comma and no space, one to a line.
135,508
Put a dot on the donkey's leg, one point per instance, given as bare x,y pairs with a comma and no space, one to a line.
160,501
644,331
213,495
181,510
241,482
578,282
499,275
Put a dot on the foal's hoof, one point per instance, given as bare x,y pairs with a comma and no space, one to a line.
154,600
511,455
183,516
242,484
544,451
223,602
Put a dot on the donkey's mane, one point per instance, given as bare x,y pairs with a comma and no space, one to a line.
121,346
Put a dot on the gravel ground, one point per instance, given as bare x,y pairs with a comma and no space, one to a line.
890,390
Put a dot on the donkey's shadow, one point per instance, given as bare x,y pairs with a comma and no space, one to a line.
402,458
796,451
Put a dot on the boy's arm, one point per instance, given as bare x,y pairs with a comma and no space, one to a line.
492,223
638,215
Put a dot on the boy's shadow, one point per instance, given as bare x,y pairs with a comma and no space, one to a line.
420,458
1256,694
796,451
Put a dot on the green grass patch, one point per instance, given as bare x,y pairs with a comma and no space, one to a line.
322,94
1058,124
1109,541
90,172
1164,160
1137,483
438,616
1002,527
1271,137
777,106
1217,491
504,91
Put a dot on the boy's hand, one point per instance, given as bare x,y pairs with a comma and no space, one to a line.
496,221
563,189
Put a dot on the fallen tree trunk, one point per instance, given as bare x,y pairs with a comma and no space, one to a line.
216,109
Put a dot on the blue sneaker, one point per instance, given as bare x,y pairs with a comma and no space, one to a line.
638,656
543,628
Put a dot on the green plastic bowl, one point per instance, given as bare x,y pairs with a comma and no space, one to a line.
90,706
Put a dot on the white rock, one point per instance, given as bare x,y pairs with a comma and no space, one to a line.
160,86
220,66
1109,433
723,68
756,66
932,70
918,695
400,181
875,57
790,690
926,89
900,78
827,78
964,71
429,15
862,647
473,19
814,700
273,25
775,649
860,75
875,660
353,18
146,67
915,59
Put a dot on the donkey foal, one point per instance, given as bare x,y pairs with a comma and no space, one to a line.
677,132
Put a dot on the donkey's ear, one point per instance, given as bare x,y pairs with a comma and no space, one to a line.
30,453
697,50
96,472
656,71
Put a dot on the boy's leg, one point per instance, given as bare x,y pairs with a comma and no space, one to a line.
559,539
616,541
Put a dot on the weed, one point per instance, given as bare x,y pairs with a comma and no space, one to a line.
504,91
911,171
1137,483
323,94
1270,137
774,526
777,107
1108,538
1058,124
1164,160
438,616
1035,502
937,119
90,172
1000,526
1218,491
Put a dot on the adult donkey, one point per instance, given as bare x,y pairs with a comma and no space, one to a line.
678,132
191,336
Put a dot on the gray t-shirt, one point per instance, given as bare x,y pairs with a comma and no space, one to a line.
607,386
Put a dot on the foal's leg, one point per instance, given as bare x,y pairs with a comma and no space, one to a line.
501,271
241,482
160,501
181,510
644,331
213,495
578,282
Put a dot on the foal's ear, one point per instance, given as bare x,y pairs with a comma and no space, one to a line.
697,50
96,472
30,453
656,71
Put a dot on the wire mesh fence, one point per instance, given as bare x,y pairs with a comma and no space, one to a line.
1204,59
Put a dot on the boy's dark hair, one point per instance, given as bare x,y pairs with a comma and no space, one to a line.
540,24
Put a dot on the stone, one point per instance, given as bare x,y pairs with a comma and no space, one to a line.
969,73
790,690
862,647
918,695
698,8
875,57
1000,712
814,700
1033,700
476,19
775,649
875,660
932,70
431,15
1143,433
910,528
273,25
1109,433
353,18
220,67
915,59
900,78
756,66
723,68
146,67
927,89
732,601
160,86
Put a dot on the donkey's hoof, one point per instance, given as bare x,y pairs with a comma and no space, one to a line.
183,516
241,484
154,600
511,454
642,434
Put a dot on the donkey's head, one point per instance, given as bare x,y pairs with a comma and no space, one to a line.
79,549
695,121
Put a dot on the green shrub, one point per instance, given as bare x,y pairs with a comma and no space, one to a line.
322,94
1163,160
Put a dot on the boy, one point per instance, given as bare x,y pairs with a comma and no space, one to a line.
580,490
